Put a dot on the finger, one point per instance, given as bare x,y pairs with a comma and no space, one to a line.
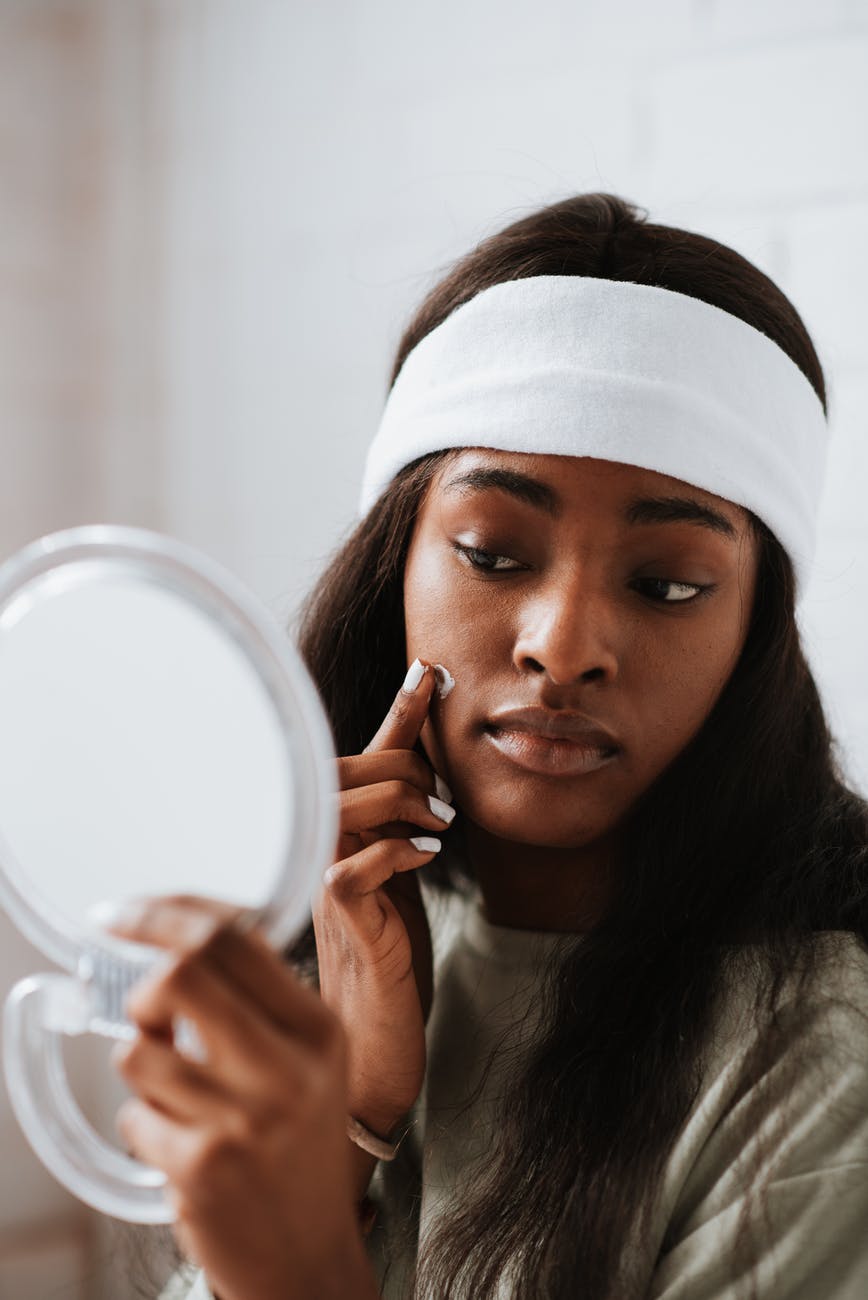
352,884
178,922
388,831
164,1078
403,723
239,1043
242,963
256,972
389,765
193,1159
368,807
158,1140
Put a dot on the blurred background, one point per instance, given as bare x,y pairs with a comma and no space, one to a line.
216,216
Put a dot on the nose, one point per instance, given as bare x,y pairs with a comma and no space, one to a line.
569,635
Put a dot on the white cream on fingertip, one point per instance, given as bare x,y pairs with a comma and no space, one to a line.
415,673
445,680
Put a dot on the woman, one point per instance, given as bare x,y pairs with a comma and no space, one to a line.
589,507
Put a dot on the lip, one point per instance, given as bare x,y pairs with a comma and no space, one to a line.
553,743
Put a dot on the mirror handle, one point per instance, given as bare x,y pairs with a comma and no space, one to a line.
39,1011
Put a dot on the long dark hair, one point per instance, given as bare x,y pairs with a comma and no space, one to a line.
750,836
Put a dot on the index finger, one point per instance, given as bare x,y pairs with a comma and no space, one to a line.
209,932
402,724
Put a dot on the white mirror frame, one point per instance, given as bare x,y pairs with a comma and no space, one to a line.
41,1009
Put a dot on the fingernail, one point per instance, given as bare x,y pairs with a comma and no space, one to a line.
441,809
443,791
415,673
445,680
125,912
426,843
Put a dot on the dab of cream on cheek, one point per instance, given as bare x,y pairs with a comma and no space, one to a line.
445,680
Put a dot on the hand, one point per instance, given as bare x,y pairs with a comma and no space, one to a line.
252,1139
372,935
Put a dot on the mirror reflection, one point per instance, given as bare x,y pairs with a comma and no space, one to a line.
139,752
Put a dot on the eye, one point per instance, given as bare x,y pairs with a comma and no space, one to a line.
679,592
486,561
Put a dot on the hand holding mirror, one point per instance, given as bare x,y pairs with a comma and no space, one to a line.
158,735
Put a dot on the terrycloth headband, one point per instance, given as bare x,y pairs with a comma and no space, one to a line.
626,372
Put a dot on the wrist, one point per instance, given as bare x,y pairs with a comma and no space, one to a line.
334,1275
350,1275
347,1273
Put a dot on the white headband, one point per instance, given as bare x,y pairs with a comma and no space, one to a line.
576,366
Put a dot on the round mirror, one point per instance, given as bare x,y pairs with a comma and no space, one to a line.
159,735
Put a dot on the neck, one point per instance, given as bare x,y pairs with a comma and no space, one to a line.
528,887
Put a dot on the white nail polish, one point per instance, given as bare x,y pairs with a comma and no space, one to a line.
443,791
445,680
441,809
426,843
415,673
109,912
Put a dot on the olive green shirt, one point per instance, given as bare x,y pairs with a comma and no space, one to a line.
804,1129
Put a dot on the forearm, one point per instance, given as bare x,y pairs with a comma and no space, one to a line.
355,1278
346,1272
363,1166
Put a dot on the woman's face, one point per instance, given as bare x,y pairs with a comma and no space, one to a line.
566,593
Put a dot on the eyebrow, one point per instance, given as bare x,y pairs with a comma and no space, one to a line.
641,510
665,510
529,490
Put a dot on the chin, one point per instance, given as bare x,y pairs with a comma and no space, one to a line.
537,828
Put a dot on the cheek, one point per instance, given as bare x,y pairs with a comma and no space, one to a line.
447,619
450,735
446,623
674,689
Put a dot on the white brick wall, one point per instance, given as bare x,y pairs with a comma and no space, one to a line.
753,22
779,125
827,277
361,147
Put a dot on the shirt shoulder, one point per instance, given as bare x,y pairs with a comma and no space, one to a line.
770,1173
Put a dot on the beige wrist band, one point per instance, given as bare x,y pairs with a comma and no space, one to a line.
369,1141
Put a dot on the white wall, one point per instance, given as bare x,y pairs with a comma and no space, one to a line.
52,363
217,215
78,313
326,162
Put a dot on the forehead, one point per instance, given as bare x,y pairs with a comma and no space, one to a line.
565,479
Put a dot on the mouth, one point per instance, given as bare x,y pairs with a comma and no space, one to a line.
551,744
